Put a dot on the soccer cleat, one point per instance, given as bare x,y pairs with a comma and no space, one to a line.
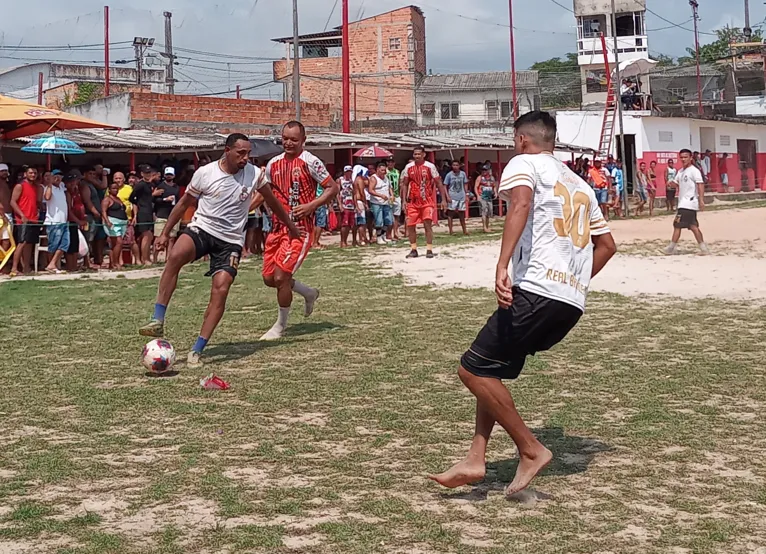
193,360
429,254
412,254
155,328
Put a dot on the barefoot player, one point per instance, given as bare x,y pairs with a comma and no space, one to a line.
222,193
558,239
295,177
418,185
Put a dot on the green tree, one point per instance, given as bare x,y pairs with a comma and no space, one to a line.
557,65
720,48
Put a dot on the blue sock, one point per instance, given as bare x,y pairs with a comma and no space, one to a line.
200,345
159,312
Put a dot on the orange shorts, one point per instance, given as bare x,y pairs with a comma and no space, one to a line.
285,253
417,214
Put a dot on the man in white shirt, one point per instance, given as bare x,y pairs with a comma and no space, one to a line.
691,199
222,193
57,204
558,239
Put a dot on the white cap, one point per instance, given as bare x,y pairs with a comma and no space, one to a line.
3,167
170,171
348,168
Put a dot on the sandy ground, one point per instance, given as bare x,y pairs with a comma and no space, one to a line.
737,238
103,275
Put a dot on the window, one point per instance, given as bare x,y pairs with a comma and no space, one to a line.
725,140
505,110
428,110
493,113
590,27
666,136
678,92
394,43
630,24
450,110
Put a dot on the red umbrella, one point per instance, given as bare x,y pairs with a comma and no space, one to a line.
373,152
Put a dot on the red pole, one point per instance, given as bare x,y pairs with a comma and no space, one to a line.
239,93
132,161
499,171
40,88
470,184
695,5
346,73
513,63
355,116
106,51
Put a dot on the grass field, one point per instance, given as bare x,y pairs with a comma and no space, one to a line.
654,412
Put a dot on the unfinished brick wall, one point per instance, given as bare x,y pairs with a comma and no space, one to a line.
387,60
180,113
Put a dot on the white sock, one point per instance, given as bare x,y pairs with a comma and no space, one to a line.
704,247
304,290
279,327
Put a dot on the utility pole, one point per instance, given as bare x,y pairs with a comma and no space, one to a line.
296,64
346,52
746,30
695,7
617,83
239,93
169,78
106,51
40,89
140,44
513,63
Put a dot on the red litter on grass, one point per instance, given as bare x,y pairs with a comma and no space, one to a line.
213,382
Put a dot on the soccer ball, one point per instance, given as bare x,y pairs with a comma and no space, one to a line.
158,356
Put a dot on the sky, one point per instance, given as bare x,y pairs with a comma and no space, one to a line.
458,40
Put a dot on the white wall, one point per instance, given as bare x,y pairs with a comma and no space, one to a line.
473,104
114,110
583,128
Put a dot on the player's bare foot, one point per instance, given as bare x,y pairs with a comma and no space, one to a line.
529,467
468,471
310,302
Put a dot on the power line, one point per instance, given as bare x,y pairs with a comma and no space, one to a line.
679,25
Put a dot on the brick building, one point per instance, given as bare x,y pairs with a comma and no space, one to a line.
387,62
199,114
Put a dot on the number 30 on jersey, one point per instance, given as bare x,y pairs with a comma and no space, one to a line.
576,221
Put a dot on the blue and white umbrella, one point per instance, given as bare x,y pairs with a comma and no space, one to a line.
53,145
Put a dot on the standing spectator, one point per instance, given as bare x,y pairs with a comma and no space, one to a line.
485,188
393,178
671,187
610,164
723,170
76,217
95,179
166,195
5,208
321,220
456,182
115,217
642,188
618,182
124,194
143,212
361,182
598,179
651,189
347,207
707,160
254,233
57,202
380,202
25,201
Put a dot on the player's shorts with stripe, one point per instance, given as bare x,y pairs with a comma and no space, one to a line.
532,324
685,219
418,213
285,253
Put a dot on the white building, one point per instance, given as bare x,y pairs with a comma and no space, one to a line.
474,98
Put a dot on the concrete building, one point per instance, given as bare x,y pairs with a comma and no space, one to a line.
388,60
594,18
471,98
23,81
167,113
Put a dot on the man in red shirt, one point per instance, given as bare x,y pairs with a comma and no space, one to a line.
418,185
25,201
293,176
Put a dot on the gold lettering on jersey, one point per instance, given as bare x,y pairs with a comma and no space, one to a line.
566,279
576,221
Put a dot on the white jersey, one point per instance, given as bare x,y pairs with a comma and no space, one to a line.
687,180
554,256
224,200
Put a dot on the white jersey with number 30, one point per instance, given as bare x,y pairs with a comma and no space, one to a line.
554,257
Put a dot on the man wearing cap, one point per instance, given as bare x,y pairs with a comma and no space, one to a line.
143,211
57,203
5,208
25,200
163,205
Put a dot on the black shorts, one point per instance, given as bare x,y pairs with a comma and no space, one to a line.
685,219
28,234
74,239
254,222
224,256
670,194
532,324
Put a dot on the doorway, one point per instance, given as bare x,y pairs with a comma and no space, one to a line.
746,152
628,160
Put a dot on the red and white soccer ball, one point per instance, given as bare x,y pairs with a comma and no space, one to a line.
159,356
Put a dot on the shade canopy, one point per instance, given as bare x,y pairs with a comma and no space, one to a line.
53,145
634,68
373,152
23,119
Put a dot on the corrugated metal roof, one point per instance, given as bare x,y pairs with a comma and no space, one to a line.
706,70
138,139
497,80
